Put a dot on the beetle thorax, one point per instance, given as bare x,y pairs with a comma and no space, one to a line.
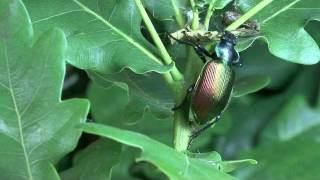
225,52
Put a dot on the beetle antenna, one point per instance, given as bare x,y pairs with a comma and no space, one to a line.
200,50
254,34
182,41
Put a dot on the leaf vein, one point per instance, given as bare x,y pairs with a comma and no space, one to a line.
280,11
4,86
56,15
112,12
118,31
11,137
38,87
18,115
26,125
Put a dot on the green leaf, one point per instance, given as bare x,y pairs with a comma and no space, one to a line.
125,113
284,126
282,24
95,162
37,128
127,161
116,114
102,110
217,4
163,9
178,166
214,158
209,156
250,114
295,159
295,118
251,84
312,27
228,166
220,4
145,93
120,114
103,36
257,61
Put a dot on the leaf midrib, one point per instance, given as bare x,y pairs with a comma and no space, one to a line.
27,161
118,31
280,11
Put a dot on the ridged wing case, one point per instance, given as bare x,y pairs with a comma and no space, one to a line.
212,91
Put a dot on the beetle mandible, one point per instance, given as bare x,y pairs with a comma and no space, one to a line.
210,95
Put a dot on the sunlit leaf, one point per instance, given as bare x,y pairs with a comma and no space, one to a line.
282,24
178,166
37,128
103,36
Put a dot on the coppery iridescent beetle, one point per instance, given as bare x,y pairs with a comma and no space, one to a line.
209,96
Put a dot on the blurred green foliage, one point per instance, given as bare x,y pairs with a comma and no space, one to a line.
274,116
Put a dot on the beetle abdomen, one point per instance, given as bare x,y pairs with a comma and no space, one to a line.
212,91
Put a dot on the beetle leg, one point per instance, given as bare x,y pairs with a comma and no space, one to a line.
214,55
238,62
201,130
186,98
200,50
182,41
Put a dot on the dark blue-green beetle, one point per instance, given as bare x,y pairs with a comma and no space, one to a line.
212,91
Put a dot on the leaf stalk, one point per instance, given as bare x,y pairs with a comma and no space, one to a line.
209,14
182,129
176,75
248,15
174,80
195,15
179,18
181,132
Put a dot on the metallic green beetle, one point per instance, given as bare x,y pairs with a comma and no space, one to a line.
211,93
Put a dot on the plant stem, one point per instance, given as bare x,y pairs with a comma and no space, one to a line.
209,15
182,129
174,80
248,15
176,75
189,70
195,15
181,132
178,15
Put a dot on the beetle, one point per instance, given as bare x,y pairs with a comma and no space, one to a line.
210,95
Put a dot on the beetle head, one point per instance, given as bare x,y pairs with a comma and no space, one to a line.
228,37
226,51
